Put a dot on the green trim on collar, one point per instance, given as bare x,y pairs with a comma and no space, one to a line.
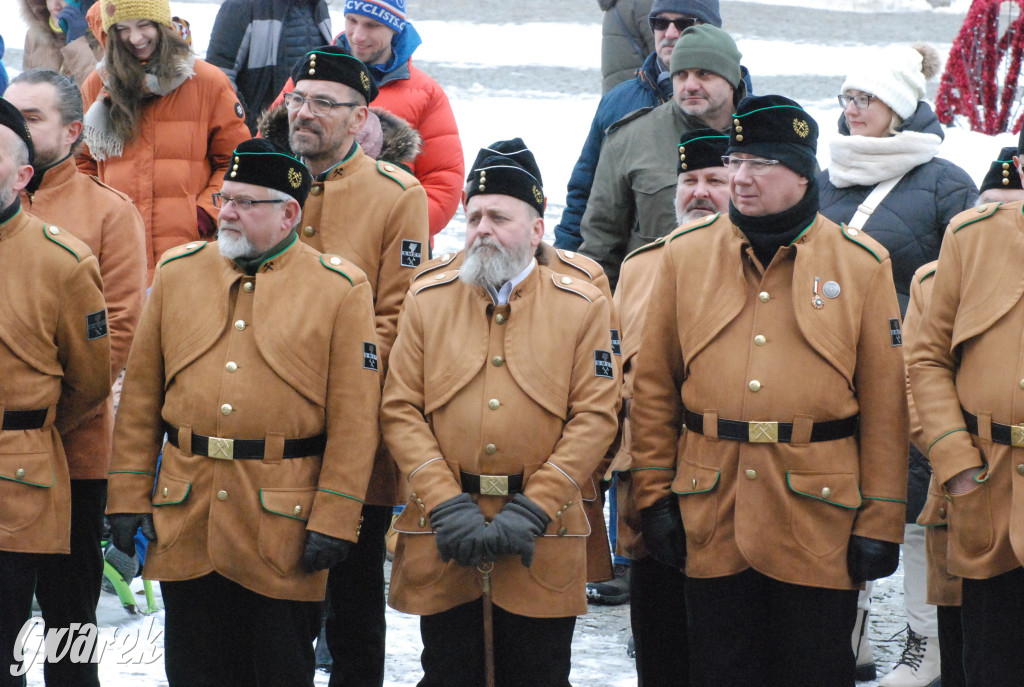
707,222
797,238
295,237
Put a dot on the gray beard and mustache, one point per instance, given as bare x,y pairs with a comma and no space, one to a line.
694,210
231,247
490,264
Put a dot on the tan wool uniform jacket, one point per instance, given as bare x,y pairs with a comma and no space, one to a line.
525,388
599,560
107,221
54,355
969,354
726,340
374,215
284,355
632,293
943,588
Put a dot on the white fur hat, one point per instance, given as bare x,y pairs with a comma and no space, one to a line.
896,75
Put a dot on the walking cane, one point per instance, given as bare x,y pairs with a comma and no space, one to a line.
485,570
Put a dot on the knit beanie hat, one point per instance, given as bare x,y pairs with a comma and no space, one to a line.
116,11
707,47
896,75
775,127
390,13
705,11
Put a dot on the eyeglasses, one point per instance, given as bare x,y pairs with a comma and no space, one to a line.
757,166
242,204
862,101
318,106
681,23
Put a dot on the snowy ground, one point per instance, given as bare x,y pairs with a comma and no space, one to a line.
530,68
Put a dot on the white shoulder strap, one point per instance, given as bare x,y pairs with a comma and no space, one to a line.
874,199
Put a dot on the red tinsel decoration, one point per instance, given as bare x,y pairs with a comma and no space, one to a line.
970,84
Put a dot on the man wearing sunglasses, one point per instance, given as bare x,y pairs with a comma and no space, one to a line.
257,357
374,214
773,336
652,86
631,200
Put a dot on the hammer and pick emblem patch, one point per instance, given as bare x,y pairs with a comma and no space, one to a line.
294,178
603,364
365,80
537,195
801,128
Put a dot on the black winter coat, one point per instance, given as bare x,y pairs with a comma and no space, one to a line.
913,216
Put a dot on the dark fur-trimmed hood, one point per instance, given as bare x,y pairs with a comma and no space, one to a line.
401,144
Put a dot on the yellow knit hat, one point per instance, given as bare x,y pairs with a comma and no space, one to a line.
115,11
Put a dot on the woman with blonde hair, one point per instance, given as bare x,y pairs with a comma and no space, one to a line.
160,124
885,179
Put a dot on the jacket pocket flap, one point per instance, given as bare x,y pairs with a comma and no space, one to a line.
837,488
294,503
695,479
170,490
28,468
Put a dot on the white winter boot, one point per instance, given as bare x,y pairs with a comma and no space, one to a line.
863,651
919,666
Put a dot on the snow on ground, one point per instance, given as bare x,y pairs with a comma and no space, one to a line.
483,67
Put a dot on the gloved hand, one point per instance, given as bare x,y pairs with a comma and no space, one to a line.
871,559
123,527
459,528
324,551
662,527
514,528
72,21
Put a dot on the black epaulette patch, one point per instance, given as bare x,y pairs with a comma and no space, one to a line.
96,325
370,356
603,364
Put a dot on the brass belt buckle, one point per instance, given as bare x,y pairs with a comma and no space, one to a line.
494,485
763,432
221,449
1017,435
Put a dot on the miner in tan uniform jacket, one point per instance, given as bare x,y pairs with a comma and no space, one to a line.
107,221
501,400
599,565
966,375
375,215
774,336
55,362
258,358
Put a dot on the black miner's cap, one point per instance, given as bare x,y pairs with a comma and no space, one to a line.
507,168
334,63
1002,173
701,148
263,163
11,117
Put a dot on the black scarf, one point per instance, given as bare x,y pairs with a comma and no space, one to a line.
252,265
768,233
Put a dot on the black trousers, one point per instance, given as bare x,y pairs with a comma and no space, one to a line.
951,646
749,629
66,585
356,628
657,614
993,625
528,652
220,634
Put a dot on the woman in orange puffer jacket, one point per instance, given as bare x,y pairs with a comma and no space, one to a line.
160,124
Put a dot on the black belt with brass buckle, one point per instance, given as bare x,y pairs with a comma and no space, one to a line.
772,432
24,419
1007,435
491,485
247,449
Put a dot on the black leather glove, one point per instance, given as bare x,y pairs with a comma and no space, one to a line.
123,527
514,528
662,527
324,551
459,528
72,20
871,559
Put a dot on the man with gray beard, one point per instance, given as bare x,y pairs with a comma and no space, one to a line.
501,398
